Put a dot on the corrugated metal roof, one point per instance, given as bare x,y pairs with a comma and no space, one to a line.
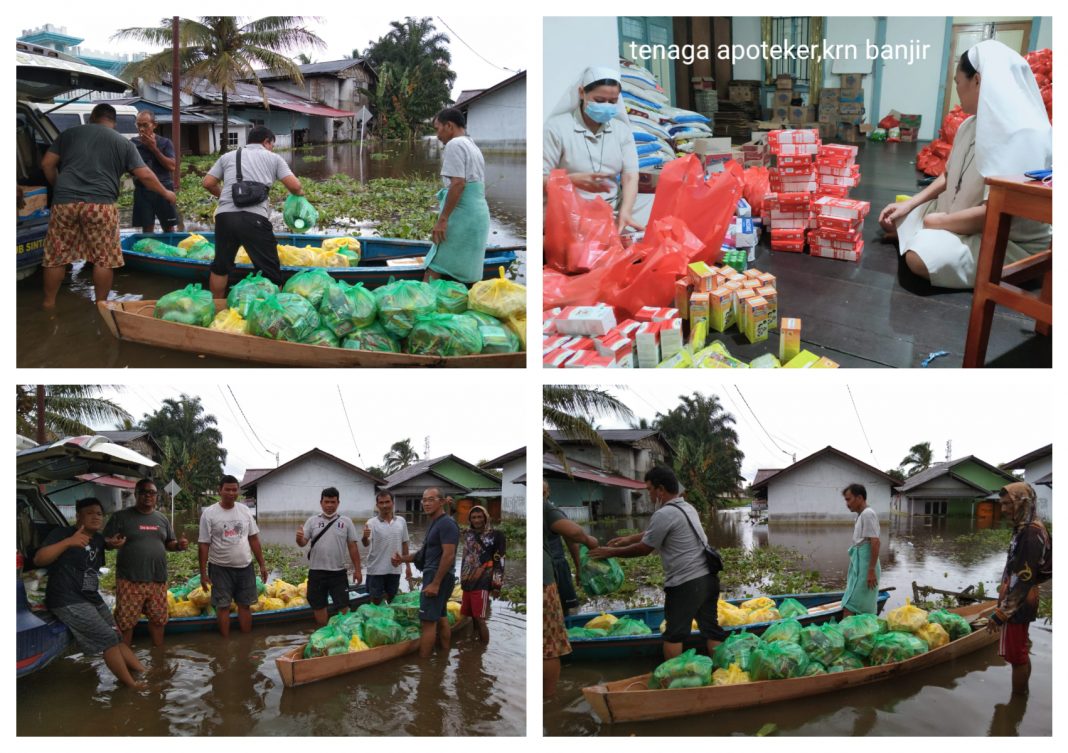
1023,460
589,473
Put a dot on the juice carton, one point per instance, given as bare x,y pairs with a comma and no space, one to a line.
721,309
701,275
698,335
789,339
771,295
756,319
803,360
739,306
683,290
699,307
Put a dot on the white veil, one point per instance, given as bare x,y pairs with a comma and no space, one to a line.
1012,131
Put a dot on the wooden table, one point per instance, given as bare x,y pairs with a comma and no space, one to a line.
1014,196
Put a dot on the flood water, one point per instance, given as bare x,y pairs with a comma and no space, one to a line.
201,684
74,335
970,696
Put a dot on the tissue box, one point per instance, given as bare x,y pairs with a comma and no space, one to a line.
586,320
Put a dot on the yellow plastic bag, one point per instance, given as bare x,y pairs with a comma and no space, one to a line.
228,320
271,604
733,675
764,615
330,259
730,615
302,589
604,621
259,605
242,256
357,645
693,627
184,608
518,325
297,601
454,609
908,619
200,597
457,594
191,241
171,601
760,602
934,634
292,256
276,588
333,244
501,297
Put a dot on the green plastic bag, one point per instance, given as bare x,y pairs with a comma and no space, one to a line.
371,337
193,582
190,305
954,624
687,682
823,643
687,664
201,251
157,247
311,284
783,630
349,623
352,254
599,577
322,336
845,662
778,660
335,650
247,291
581,632
283,316
896,646
261,587
451,296
444,335
381,631
737,649
400,302
375,611
347,307
860,631
325,638
405,599
496,336
180,592
298,213
411,633
792,608
629,626
814,668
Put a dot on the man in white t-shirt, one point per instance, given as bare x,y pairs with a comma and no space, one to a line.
385,534
862,583
229,537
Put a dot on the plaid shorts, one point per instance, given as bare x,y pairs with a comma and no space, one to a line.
91,624
83,231
554,643
133,599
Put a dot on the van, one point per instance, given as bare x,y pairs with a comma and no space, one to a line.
41,75
39,636
66,115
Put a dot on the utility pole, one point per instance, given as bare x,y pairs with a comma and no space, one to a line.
40,414
176,113
426,447
949,450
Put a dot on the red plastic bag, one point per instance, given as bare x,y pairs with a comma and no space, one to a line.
706,206
889,122
583,289
757,186
578,231
645,274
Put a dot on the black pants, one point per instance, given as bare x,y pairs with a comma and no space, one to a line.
332,583
697,598
254,232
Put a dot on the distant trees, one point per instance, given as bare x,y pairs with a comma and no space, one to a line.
193,454
69,410
401,454
571,409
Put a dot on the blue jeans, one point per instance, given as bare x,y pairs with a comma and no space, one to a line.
383,585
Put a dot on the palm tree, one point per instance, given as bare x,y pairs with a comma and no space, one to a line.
222,51
918,459
193,454
401,455
571,409
70,410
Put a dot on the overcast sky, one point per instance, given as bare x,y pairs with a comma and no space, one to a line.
342,34
805,420
293,418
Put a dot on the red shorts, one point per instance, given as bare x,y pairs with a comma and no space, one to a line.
132,599
476,604
1014,644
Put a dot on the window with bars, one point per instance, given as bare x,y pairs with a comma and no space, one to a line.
231,138
793,30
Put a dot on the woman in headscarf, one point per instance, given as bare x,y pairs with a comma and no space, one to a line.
1029,563
939,230
481,569
595,145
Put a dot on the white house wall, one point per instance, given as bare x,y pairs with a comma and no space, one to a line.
1043,494
513,495
500,119
294,492
814,492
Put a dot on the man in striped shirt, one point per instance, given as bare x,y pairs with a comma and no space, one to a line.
385,534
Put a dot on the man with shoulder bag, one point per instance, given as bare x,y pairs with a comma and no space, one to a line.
691,566
242,181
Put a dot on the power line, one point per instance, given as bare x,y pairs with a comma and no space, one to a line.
349,424
230,408
738,412
242,411
784,452
465,44
862,431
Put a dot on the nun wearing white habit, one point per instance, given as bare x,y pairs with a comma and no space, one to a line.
594,143
939,230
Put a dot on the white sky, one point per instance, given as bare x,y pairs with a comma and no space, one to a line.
293,418
806,420
341,32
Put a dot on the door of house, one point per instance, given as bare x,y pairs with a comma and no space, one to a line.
937,507
1016,33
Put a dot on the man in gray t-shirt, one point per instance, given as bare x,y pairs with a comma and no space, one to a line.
332,540
85,166
691,590
141,565
247,226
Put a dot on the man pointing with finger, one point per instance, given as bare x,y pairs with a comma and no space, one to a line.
143,537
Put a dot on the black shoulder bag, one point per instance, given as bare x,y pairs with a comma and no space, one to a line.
247,193
419,558
715,562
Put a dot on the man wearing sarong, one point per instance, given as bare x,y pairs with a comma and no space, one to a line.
862,583
462,229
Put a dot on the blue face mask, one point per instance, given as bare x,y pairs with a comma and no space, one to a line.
600,112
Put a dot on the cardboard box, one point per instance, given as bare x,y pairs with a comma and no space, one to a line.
738,93
683,290
756,319
829,95
799,115
789,339
699,307
851,81
784,81
670,337
35,202
771,295
647,344
780,114
721,309
648,180
908,134
848,110
782,98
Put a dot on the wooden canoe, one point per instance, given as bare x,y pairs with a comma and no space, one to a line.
823,607
630,700
134,321
357,594
296,670
373,270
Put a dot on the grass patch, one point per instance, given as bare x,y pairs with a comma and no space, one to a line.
516,596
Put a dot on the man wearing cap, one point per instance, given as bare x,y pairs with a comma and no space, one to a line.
481,569
595,146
